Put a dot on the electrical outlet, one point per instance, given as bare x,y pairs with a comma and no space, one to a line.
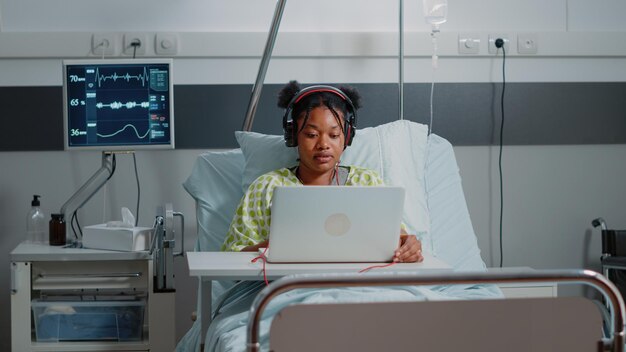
492,43
527,43
130,38
104,44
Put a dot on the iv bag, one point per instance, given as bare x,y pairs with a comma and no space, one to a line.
435,11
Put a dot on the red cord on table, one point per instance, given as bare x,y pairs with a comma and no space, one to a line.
376,267
264,260
262,257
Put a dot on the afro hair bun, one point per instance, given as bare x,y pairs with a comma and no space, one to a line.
287,93
353,94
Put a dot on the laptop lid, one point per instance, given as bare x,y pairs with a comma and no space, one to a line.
318,224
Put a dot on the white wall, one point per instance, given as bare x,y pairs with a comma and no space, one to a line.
551,192
322,15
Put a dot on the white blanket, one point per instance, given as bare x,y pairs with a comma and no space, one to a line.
228,333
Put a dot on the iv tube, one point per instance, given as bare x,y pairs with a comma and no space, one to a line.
433,36
435,13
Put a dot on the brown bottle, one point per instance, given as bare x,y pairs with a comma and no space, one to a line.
57,230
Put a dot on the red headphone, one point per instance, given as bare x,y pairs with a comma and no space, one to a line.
290,127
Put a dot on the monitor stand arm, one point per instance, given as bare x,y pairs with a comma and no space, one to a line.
88,189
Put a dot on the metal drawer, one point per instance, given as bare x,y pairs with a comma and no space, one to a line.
73,275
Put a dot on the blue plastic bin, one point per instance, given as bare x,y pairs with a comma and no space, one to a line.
88,320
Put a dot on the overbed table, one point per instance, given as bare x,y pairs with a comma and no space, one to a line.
208,266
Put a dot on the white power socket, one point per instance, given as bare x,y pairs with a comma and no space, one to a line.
104,44
527,43
492,43
130,38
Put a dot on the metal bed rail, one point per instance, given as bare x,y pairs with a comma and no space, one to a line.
614,341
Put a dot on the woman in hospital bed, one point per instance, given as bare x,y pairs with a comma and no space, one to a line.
320,122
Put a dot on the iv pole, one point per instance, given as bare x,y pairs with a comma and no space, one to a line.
265,61
267,53
401,60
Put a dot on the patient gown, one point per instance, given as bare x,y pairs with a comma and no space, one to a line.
251,222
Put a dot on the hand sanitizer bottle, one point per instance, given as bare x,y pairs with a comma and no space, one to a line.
35,223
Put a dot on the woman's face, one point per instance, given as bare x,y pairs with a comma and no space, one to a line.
320,142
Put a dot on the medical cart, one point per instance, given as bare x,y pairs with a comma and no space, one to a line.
75,299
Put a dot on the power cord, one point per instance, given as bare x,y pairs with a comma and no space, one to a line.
113,165
135,44
138,190
500,45
72,219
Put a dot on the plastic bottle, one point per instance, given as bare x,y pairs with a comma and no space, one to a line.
435,12
35,222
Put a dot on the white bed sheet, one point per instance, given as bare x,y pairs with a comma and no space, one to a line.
228,333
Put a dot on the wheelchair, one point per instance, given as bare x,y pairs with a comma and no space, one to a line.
613,257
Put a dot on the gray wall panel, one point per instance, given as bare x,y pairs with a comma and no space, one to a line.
206,116
32,118
464,113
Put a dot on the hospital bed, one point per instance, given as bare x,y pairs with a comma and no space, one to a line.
404,154
436,211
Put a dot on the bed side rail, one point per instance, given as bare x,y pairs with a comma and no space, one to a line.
614,341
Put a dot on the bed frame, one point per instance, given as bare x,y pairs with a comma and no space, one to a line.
544,324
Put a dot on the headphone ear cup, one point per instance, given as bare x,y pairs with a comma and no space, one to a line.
350,130
351,135
290,138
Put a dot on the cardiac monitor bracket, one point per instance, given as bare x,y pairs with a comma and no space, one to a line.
91,186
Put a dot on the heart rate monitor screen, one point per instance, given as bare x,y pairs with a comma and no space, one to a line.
118,104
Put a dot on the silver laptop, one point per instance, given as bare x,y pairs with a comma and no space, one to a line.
317,224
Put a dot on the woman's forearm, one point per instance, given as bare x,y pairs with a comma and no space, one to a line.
255,247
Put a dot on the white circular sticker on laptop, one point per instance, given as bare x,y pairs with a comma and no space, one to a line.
337,224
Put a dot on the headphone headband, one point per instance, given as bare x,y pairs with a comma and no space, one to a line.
319,89
290,126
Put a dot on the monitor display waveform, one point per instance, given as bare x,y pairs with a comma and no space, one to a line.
122,130
128,105
142,77
118,104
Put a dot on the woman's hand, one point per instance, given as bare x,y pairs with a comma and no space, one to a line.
256,247
409,250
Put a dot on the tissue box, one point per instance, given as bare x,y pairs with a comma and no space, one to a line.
117,238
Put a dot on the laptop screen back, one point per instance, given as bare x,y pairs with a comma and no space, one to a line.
335,224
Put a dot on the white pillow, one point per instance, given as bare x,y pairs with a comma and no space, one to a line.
262,154
395,150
